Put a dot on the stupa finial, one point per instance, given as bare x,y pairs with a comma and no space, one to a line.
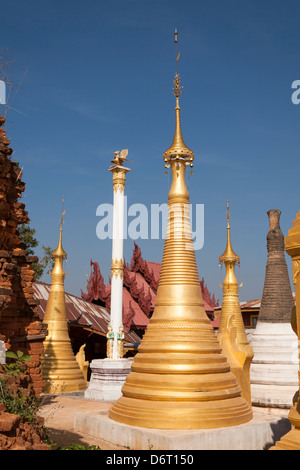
178,149
228,214
59,254
229,255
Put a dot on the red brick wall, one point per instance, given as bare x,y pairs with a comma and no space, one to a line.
20,326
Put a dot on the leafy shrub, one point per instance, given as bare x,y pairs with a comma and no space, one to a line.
78,447
25,406
18,363
17,393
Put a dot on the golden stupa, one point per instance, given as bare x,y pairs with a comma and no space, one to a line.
291,440
231,335
60,368
180,379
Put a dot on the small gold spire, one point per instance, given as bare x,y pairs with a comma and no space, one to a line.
231,334
228,214
229,255
59,254
178,148
60,369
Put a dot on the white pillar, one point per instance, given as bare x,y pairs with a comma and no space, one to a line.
117,263
109,374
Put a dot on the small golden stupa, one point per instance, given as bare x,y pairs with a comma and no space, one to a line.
60,368
231,335
180,379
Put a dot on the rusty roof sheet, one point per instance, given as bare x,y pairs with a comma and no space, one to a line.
79,312
249,304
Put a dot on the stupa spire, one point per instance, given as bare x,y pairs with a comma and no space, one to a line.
178,148
59,254
60,369
179,378
229,255
232,336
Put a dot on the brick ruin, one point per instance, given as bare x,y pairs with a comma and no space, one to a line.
20,326
277,300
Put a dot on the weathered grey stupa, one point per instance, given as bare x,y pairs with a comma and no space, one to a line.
274,368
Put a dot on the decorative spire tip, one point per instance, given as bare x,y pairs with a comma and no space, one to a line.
177,90
62,212
228,213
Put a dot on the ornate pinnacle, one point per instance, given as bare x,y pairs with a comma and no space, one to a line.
229,255
228,213
177,90
178,149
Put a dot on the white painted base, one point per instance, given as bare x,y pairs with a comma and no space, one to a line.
259,434
107,379
274,368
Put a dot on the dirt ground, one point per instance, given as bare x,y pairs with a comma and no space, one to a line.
58,413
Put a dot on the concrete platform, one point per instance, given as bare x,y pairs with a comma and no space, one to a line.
259,434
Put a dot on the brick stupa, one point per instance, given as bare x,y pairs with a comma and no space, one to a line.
20,326
274,368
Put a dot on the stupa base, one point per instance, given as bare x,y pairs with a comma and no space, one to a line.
107,379
273,396
274,368
181,414
284,412
291,441
259,434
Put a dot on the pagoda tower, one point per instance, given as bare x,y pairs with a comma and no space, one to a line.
180,379
274,368
59,366
231,335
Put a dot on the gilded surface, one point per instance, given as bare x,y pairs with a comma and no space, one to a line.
110,342
119,179
111,337
296,271
180,379
60,368
231,335
120,342
83,364
119,170
117,268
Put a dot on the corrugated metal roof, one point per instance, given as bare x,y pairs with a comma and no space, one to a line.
80,312
249,304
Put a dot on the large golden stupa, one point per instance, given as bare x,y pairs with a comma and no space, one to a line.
180,379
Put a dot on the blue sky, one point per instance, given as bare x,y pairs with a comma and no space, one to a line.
96,76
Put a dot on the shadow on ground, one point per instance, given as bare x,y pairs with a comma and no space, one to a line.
279,429
60,439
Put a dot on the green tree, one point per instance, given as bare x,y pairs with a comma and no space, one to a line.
27,236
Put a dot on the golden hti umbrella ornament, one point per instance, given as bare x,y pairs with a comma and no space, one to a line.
180,379
231,335
60,369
